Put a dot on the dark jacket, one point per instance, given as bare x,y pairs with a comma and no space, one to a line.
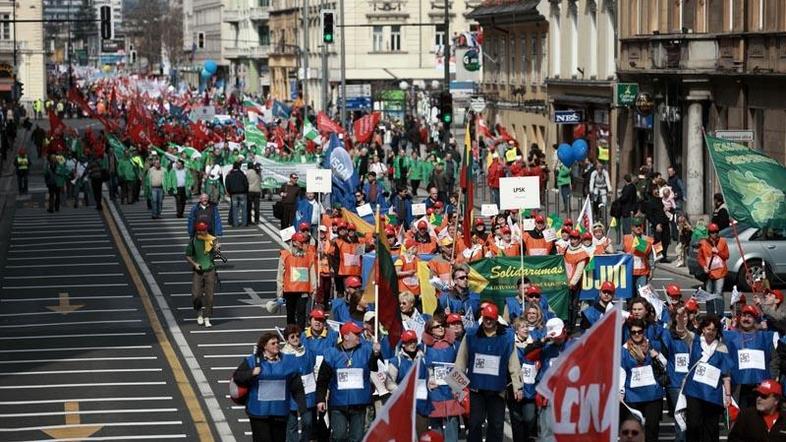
628,200
750,427
720,216
675,182
653,209
236,182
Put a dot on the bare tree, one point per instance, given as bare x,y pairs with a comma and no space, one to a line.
145,24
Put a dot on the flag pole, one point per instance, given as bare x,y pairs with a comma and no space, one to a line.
376,285
319,250
456,215
521,239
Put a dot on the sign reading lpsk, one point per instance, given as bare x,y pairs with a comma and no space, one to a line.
519,193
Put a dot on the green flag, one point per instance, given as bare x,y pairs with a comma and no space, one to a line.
120,149
255,136
309,131
752,183
75,146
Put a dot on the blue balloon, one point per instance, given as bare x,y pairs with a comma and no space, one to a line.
580,149
205,75
211,66
565,154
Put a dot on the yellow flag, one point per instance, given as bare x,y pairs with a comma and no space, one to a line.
428,294
613,223
363,226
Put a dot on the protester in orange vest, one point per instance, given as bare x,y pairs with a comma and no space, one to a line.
296,279
407,271
534,243
506,246
474,252
425,243
326,253
576,258
564,240
586,242
310,244
640,246
438,219
441,266
712,257
603,245
349,256
390,233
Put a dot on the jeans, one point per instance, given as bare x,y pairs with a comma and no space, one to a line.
486,406
715,306
564,192
522,419
625,221
495,195
252,207
97,185
673,395
156,200
653,412
180,200
449,427
268,429
702,420
238,209
347,424
546,425
296,308
203,286
306,422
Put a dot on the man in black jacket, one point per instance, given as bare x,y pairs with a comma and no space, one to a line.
628,202
765,422
237,187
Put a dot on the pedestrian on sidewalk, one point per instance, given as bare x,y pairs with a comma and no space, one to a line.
55,176
237,188
200,253
22,166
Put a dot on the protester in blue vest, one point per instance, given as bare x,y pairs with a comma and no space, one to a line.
752,350
273,381
305,360
677,352
488,357
459,298
640,308
708,383
374,192
401,204
527,292
318,337
523,417
593,313
345,374
398,367
352,307
441,352
640,368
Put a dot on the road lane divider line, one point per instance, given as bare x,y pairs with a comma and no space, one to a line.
125,244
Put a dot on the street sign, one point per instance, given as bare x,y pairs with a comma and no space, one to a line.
355,103
739,136
357,90
568,116
477,104
626,93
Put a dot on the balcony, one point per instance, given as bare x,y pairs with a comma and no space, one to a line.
234,53
741,53
260,51
258,14
232,15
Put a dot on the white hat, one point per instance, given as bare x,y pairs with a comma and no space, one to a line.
368,316
323,228
554,327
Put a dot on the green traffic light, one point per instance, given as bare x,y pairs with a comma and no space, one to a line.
328,38
447,118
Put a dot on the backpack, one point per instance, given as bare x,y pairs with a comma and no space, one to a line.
238,393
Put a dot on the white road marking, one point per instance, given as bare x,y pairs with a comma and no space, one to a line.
88,384
70,297
115,347
67,249
89,399
229,318
62,257
83,412
81,335
223,281
117,358
113,370
54,324
70,286
221,271
237,330
184,295
181,261
86,275
93,241
107,424
81,264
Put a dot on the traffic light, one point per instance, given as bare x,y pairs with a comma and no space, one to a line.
328,26
18,90
446,107
106,22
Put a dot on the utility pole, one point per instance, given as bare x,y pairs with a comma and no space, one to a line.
446,61
343,67
305,58
325,78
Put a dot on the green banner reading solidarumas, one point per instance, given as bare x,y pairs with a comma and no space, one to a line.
495,279
752,183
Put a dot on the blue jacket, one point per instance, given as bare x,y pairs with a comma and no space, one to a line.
304,212
754,347
380,197
718,365
529,374
218,230
319,343
350,383
340,312
269,394
448,298
405,219
645,385
678,359
487,360
441,359
403,363
550,352
305,366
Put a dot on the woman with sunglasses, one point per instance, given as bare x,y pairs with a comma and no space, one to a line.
523,417
305,360
640,363
677,357
708,381
441,349
640,308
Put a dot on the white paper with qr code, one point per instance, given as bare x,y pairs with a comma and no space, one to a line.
486,364
750,359
349,378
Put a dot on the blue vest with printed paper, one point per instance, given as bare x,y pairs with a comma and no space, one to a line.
677,364
751,353
640,382
350,384
488,360
529,374
704,379
441,361
403,364
269,394
305,367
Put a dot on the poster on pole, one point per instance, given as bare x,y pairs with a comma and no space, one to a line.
519,193
319,180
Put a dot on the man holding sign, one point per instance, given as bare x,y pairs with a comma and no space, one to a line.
487,355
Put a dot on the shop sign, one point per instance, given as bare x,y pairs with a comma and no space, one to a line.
471,60
644,103
627,93
568,116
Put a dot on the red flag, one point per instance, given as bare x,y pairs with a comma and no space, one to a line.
504,135
582,384
57,128
326,125
396,420
364,127
483,129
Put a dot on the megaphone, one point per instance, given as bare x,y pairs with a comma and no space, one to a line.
273,305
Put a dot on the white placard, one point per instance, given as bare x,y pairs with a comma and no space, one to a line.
319,180
488,210
528,224
519,193
550,235
365,210
335,325
418,209
286,234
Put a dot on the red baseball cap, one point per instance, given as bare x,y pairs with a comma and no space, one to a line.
713,228
390,231
769,386
506,229
350,327
540,219
341,224
608,286
304,227
438,205
201,227
575,234
751,310
777,293
409,336
318,314
673,290
533,290
567,222
453,318
353,282
490,311
586,235
480,222
298,237
691,305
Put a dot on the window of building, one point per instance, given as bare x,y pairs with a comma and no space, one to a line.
264,35
439,36
201,40
6,28
264,3
503,58
377,39
523,58
395,38
534,74
512,64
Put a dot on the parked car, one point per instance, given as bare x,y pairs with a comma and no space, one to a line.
765,251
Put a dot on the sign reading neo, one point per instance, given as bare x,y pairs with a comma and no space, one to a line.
568,116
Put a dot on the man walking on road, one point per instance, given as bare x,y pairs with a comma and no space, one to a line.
237,188
154,186
205,212
199,253
290,194
297,279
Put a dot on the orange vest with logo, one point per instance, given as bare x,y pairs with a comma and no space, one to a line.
349,258
641,260
426,248
440,268
600,247
324,258
537,246
410,282
297,272
572,258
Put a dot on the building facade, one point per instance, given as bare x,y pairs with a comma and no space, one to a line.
701,65
284,58
22,51
248,46
582,41
205,34
515,68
